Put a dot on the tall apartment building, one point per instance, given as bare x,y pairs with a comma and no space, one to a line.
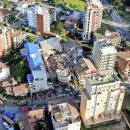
9,39
64,116
92,19
104,57
40,18
38,78
102,100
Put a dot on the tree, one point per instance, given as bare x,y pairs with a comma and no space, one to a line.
18,70
59,28
5,3
127,43
31,39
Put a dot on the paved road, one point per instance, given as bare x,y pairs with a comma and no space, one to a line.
116,18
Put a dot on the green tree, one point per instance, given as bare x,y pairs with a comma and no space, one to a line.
31,39
127,43
18,70
5,3
59,28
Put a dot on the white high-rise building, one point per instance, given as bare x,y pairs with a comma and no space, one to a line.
39,19
92,20
32,17
104,57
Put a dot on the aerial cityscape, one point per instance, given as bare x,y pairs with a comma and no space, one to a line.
64,64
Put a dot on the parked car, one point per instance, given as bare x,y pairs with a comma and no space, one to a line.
6,125
10,115
24,109
45,107
68,89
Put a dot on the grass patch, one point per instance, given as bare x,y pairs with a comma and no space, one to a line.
76,4
105,27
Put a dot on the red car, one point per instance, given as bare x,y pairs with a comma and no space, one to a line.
24,109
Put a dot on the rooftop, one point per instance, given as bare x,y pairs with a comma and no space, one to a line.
76,15
16,33
4,11
70,44
33,116
111,35
102,80
84,65
124,55
51,44
106,48
20,89
8,82
33,56
2,65
26,1
64,114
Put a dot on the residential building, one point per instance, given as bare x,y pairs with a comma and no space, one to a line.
16,39
22,6
10,39
102,100
40,18
111,37
4,71
64,116
84,68
92,19
33,117
20,90
104,57
5,14
73,20
123,64
38,78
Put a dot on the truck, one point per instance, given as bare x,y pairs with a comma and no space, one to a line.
8,120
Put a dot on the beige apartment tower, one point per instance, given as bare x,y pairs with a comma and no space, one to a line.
102,100
92,19
104,57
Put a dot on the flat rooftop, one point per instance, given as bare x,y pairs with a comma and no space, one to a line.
101,80
64,114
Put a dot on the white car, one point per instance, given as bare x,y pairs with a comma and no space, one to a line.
6,125
68,89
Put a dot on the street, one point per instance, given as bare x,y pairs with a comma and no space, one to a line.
125,34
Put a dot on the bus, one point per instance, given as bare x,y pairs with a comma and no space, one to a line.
8,120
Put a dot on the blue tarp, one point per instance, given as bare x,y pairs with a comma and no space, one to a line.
33,55
10,115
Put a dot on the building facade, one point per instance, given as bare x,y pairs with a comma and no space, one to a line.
38,78
102,100
65,117
92,20
40,18
104,57
9,39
